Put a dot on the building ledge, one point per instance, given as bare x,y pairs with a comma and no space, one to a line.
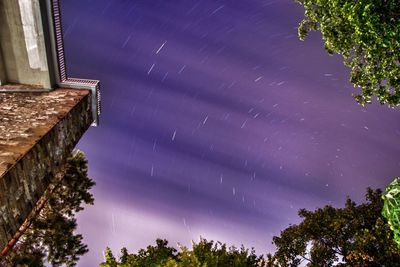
5,88
38,131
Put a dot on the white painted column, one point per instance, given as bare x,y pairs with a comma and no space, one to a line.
22,44
33,33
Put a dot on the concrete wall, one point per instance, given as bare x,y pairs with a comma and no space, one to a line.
32,159
22,43
2,70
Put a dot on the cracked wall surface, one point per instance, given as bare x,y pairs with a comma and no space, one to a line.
37,133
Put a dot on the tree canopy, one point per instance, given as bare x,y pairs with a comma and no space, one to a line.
391,207
51,237
367,34
356,235
203,254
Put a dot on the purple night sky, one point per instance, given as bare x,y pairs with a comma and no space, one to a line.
217,122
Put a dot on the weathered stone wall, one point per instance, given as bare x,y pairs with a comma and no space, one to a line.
37,134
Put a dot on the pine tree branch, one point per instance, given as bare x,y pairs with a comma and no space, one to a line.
35,212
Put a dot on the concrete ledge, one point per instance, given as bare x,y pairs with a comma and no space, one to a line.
37,133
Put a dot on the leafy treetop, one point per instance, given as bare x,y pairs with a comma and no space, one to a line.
391,207
367,34
204,254
356,235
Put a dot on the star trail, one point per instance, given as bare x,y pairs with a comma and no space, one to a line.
217,122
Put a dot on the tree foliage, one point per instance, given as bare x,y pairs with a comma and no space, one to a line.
204,254
391,207
356,235
51,237
367,34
